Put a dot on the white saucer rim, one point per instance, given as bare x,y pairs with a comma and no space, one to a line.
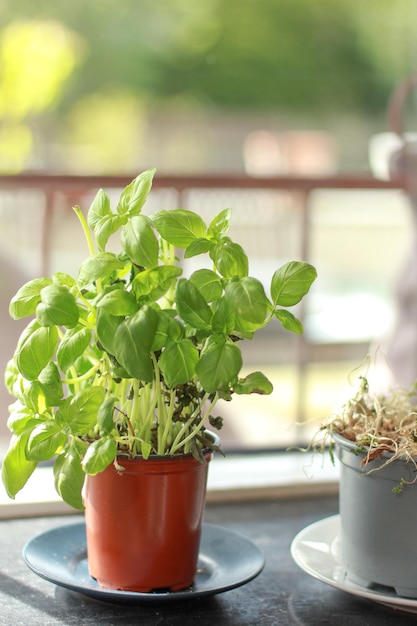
309,533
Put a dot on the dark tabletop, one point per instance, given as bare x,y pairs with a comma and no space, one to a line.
282,594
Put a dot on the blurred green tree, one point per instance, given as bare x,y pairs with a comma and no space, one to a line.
298,56
240,53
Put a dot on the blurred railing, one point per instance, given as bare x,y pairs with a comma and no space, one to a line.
74,188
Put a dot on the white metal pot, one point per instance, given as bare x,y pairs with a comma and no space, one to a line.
378,527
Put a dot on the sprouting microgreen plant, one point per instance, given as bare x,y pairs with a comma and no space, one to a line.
381,426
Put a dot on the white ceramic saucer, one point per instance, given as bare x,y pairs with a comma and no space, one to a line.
315,550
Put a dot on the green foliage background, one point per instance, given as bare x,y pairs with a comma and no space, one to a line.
298,56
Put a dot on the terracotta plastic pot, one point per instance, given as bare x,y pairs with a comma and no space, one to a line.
378,540
144,524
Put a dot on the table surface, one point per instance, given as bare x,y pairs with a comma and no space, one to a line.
281,595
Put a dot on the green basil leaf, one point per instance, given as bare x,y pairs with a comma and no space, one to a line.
33,397
25,301
98,267
79,412
72,346
118,302
134,196
51,385
179,227
248,301
45,441
12,378
99,210
289,321
256,382
191,305
230,259
291,282
139,241
150,285
57,307
102,220
99,455
223,321
219,226
178,362
208,283
35,349
20,419
106,326
219,364
38,397
105,417
198,246
133,341
66,280
117,370
69,477
16,469
168,328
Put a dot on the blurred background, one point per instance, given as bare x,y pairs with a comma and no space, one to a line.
237,104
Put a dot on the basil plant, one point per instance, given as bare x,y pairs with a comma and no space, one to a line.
129,357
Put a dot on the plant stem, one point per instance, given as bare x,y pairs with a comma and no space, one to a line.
168,258
169,410
86,376
85,228
133,415
147,406
179,441
88,237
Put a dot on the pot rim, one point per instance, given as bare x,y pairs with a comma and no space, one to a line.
353,446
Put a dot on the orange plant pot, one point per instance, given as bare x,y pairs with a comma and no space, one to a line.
143,524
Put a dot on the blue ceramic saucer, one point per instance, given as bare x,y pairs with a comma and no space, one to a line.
227,560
